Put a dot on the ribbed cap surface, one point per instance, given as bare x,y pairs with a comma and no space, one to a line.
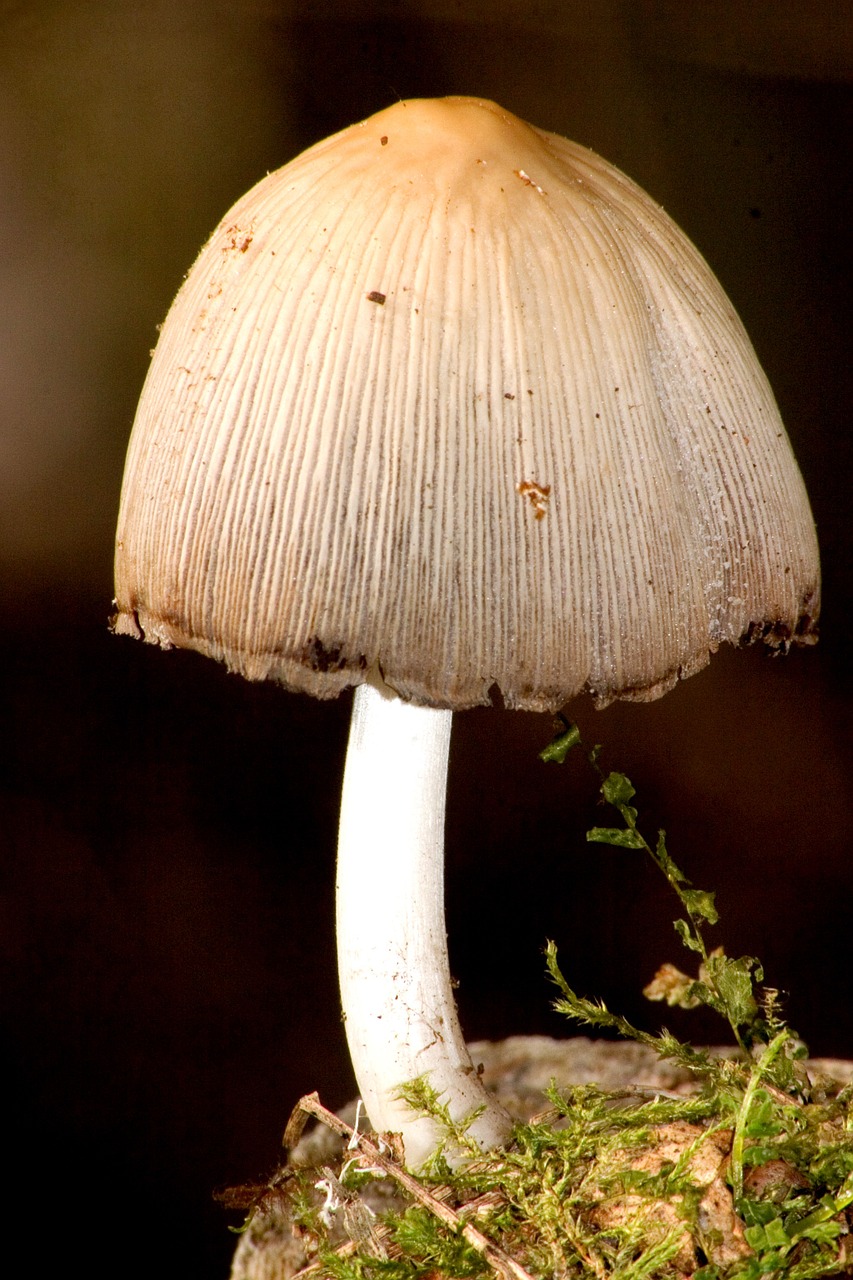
452,399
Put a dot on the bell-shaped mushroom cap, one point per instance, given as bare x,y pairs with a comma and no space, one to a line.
451,399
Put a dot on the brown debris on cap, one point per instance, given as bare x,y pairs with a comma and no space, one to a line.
548,461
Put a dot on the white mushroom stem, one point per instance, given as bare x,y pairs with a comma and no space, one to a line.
400,1015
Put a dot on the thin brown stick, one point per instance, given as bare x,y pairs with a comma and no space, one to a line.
368,1149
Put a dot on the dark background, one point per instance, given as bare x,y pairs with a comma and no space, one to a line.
167,985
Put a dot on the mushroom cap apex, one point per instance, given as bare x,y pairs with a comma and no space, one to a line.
476,126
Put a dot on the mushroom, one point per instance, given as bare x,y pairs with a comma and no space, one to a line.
449,410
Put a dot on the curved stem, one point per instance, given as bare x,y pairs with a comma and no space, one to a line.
399,1010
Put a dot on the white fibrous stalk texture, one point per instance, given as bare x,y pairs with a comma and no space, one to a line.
399,1011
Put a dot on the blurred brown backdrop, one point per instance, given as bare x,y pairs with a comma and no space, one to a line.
166,831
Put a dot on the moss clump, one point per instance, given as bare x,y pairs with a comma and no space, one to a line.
749,1175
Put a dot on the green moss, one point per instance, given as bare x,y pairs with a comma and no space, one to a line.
749,1176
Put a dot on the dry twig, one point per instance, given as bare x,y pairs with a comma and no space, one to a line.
368,1150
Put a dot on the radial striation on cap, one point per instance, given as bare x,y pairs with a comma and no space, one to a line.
451,400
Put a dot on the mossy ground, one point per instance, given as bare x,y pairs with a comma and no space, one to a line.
750,1175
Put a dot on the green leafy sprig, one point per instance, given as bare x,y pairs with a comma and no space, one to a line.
724,984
